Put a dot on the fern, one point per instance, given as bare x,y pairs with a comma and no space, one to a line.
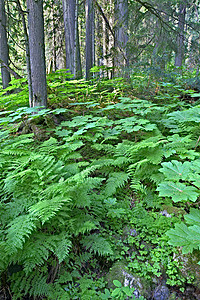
61,197
35,284
17,232
97,244
46,209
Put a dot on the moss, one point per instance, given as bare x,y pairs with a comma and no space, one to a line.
177,211
190,268
119,272
115,273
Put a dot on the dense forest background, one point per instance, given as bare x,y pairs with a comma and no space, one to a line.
99,149
39,38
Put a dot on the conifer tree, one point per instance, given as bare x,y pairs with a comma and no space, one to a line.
37,52
89,37
73,59
4,51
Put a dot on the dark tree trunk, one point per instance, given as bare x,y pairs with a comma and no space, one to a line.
37,52
4,52
89,37
73,58
28,63
180,39
121,31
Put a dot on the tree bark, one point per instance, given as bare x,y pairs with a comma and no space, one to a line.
78,66
73,58
116,44
37,52
180,39
89,37
121,31
4,52
28,62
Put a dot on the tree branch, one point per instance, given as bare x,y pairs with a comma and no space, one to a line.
16,75
110,28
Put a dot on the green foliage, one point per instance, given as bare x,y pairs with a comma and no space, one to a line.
151,254
15,95
121,292
90,190
185,236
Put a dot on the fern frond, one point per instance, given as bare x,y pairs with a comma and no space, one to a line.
17,232
115,180
34,284
38,249
62,247
104,147
82,222
46,209
97,244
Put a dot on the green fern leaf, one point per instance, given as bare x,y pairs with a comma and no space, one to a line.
18,230
97,244
63,246
46,209
35,252
115,180
34,284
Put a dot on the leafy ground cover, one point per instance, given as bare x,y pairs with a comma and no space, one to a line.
100,192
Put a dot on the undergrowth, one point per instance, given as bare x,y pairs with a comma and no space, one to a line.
84,184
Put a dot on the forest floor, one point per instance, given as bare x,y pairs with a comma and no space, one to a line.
100,191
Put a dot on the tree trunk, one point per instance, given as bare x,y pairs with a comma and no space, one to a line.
54,40
121,31
3,46
73,58
28,63
89,37
37,52
78,66
180,39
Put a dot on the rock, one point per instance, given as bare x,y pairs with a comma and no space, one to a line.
189,268
143,287
161,293
132,282
197,294
165,213
172,210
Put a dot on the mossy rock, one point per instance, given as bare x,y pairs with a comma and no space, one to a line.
115,273
34,126
143,287
177,211
190,268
